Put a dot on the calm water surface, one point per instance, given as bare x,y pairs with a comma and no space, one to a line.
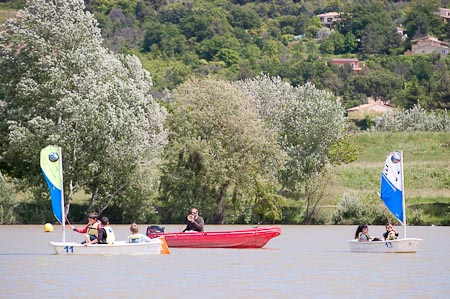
304,262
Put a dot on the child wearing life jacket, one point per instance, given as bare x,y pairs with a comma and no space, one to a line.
391,233
90,231
362,234
105,233
136,237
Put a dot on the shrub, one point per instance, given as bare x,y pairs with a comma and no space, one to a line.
416,217
8,201
352,210
414,119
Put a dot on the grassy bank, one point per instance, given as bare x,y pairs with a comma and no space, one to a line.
426,171
427,184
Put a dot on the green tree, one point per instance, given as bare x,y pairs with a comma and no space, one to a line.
243,18
350,43
166,73
165,39
218,148
383,84
440,84
314,26
411,94
8,201
310,124
228,56
208,48
338,41
420,19
371,23
195,26
380,38
327,46
60,86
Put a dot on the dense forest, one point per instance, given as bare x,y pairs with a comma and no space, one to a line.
230,106
232,39
241,39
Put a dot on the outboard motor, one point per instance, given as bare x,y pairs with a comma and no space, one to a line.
154,231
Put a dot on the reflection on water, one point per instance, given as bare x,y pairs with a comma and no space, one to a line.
304,262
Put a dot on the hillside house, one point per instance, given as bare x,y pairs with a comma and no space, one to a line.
429,44
444,13
353,62
330,18
372,108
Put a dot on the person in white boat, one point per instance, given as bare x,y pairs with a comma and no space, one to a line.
90,231
105,233
195,222
135,236
391,233
362,234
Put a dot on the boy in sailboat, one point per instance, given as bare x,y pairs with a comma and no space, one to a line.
391,233
90,231
106,233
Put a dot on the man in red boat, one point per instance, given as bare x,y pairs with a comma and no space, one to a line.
195,222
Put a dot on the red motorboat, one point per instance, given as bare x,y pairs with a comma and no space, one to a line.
247,238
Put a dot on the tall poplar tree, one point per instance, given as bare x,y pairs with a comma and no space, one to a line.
311,130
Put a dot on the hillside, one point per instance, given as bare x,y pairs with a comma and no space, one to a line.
241,39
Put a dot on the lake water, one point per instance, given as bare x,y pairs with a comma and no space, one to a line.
304,262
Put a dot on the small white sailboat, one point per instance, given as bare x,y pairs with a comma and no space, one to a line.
393,196
117,248
51,166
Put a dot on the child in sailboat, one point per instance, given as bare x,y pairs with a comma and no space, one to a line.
90,231
391,233
106,233
135,236
362,234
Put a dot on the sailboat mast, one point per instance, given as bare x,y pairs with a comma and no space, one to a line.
63,212
403,195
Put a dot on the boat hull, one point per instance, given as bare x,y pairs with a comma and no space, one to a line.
407,245
118,248
248,238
